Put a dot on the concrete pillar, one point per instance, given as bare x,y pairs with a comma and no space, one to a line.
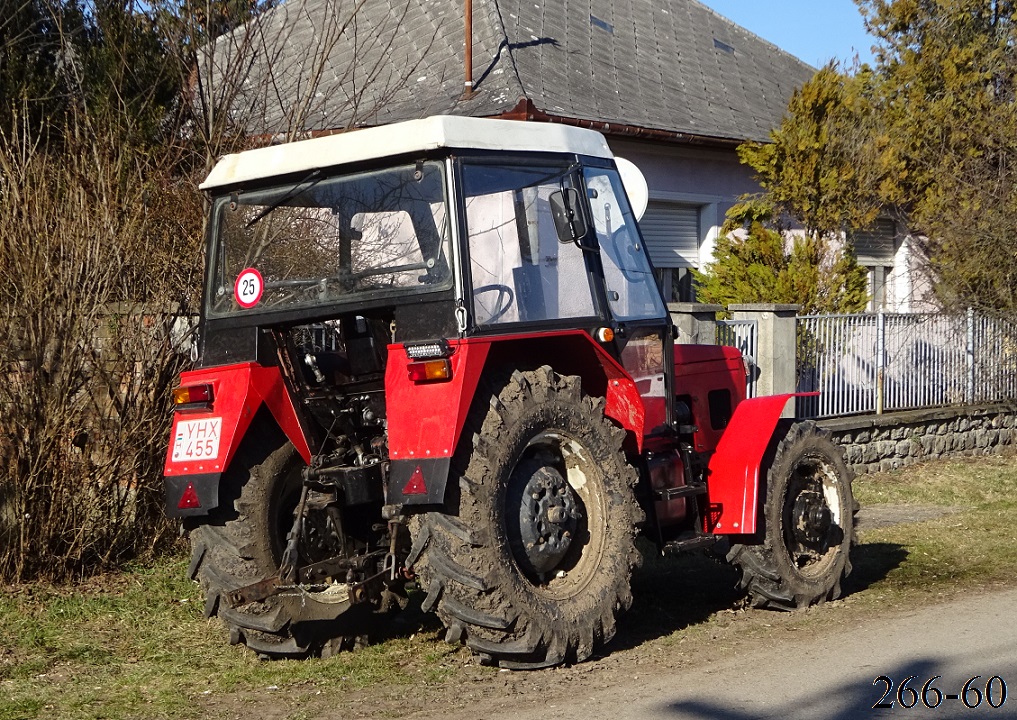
775,347
696,322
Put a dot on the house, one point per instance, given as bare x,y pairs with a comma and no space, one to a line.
674,86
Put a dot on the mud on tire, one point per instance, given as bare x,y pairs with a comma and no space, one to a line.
537,563
802,552
242,541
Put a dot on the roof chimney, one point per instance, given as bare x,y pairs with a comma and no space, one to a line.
468,56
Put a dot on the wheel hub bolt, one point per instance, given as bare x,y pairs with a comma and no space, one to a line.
556,514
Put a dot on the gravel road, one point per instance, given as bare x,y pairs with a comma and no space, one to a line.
825,675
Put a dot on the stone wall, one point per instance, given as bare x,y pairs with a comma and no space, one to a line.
886,442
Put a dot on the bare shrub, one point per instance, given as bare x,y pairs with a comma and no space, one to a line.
100,227
98,249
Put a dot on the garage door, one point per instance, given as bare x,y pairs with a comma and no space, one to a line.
671,232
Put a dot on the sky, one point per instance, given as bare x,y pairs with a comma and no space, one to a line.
812,30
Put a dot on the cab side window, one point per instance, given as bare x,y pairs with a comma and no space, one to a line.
520,271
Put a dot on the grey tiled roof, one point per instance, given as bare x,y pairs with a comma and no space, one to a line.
668,65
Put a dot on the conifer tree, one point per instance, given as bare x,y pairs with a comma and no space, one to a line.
754,262
926,135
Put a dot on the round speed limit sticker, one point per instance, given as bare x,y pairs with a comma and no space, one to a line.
248,288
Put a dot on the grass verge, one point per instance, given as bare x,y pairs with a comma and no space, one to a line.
135,645
973,545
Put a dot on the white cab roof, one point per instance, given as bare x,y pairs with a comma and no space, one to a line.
440,131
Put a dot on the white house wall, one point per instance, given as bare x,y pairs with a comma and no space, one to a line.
710,179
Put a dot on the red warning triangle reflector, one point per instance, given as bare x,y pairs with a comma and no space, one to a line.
416,485
189,500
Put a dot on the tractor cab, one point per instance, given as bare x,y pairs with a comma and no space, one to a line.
324,253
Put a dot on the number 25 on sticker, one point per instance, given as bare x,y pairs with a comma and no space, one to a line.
248,288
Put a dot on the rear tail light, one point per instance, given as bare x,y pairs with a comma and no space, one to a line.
193,397
430,370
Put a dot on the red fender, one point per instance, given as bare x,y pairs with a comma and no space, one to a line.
733,472
204,442
426,419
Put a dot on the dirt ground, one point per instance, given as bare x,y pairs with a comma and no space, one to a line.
875,516
657,640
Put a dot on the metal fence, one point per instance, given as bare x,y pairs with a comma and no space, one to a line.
742,334
884,362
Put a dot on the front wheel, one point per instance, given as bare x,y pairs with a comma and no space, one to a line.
538,562
808,525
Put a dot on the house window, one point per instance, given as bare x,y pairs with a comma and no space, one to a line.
879,280
875,249
676,284
671,233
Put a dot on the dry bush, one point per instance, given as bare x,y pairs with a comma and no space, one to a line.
100,231
99,253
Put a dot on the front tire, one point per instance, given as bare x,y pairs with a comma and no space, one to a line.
538,562
808,525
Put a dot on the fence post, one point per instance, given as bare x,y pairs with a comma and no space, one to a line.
696,322
969,356
880,359
776,347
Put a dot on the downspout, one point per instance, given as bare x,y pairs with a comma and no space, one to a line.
468,56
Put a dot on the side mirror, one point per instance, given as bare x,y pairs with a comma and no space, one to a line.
567,211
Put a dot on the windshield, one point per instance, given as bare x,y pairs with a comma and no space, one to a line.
331,239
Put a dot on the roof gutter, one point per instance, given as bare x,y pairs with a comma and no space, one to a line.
526,110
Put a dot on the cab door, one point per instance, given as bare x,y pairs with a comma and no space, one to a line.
643,340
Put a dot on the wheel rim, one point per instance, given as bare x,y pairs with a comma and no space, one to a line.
555,516
812,509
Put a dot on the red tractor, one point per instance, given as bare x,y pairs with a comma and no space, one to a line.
435,352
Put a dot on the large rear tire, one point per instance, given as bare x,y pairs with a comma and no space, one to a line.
242,542
803,551
535,567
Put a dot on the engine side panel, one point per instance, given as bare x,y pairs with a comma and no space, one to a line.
709,378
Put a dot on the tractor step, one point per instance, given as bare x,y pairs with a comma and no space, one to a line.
682,492
686,544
